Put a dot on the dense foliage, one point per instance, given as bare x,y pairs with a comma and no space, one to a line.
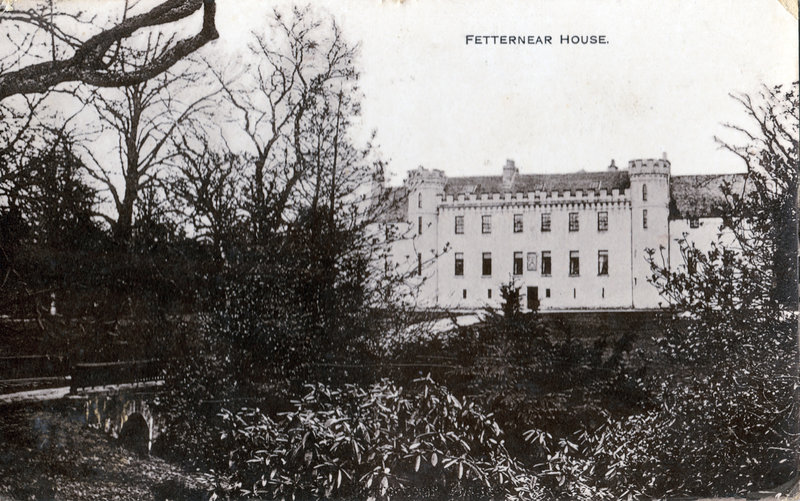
530,370
377,442
728,405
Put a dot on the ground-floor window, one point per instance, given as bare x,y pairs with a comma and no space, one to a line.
517,263
602,262
546,264
574,264
486,264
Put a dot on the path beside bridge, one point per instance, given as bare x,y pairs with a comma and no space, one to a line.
47,394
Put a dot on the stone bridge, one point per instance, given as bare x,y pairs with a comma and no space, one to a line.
125,412
115,397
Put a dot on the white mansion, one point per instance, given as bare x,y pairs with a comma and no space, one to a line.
568,240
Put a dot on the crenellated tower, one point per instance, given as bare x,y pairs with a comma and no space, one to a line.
650,195
425,189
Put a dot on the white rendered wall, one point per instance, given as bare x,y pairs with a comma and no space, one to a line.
703,236
587,290
626,240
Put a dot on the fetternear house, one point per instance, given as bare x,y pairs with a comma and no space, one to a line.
568,240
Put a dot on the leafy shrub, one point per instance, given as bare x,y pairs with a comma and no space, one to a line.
375,442
530,372
570,469
712,429
728,407
728,402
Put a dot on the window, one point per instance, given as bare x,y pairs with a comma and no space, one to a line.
694,223
517,263
644,193
486,264
547,293
489,293
644,219
533,265
464,293
459,225
602,221
574,264
602,262
486,224
517,223
546,222
546,267
419,226
459,264
419,200
419,263
573,221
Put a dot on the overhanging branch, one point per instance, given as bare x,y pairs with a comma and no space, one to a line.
87,64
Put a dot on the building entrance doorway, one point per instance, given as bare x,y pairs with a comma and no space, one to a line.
533,298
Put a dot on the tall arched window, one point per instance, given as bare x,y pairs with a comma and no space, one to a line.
644,193
419,200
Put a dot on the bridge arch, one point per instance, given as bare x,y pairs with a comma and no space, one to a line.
135,434
126,417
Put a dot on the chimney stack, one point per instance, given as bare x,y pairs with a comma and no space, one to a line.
510,172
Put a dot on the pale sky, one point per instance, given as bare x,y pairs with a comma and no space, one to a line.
661,84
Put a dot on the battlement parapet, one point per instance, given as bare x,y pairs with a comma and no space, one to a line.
542,197
421,175
649,166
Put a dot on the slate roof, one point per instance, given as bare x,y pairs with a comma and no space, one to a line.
525,183
691,196
700,196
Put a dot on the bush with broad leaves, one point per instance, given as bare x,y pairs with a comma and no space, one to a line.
377,442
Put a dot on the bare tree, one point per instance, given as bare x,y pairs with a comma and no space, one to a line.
99,60
762,213
19,131
30,131
142,118
299,71
733,322
759,271
206,189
